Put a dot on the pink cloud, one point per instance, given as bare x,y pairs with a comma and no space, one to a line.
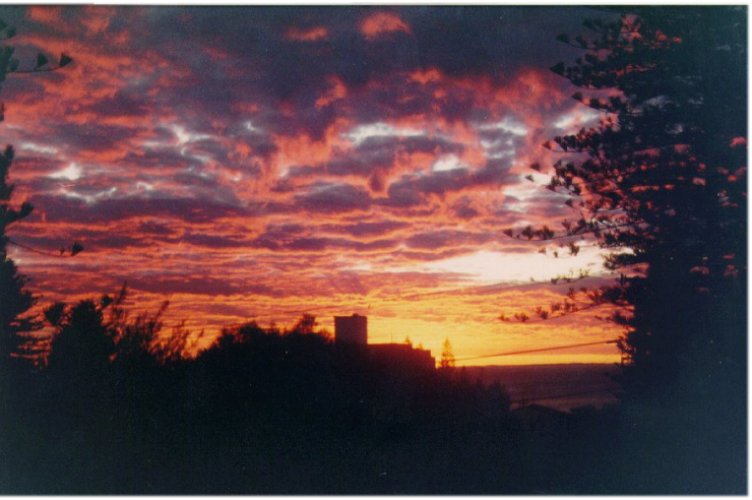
313,34
380,23
197,179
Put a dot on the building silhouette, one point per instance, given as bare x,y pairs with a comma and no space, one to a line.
352,331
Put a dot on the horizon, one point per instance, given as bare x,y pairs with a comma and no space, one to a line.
326,161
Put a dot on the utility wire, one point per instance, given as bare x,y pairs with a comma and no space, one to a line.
32,249
523,401
513,353
73,251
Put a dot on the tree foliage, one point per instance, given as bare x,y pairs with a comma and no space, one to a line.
82,344
447,356
108,331
660,180
15,300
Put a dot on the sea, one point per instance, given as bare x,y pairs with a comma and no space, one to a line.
560,386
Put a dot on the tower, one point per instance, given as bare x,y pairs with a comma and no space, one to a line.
351,329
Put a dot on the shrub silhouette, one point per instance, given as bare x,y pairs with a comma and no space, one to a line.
82,343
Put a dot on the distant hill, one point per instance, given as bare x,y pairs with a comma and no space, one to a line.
563,386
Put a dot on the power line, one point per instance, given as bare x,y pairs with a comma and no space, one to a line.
523,401
513,353
32,249
75,249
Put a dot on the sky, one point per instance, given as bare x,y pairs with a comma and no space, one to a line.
250,163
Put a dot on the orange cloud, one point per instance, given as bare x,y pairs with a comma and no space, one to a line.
335,92
313,34
47,15
425,76
238,188
97,19
380,23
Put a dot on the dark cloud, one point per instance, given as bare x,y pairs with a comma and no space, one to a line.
308,244
201,286
156,228
460,41
319,244
213,241
159,158
349,283
94,137
361,229
410,189
446,238
276,236
464,210
124,103
428,255
376,154
61,209
334,198
402,194
113,241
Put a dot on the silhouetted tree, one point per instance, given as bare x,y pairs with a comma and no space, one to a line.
180,344
447,356
306,324
136,340
15,301
82,343
660,181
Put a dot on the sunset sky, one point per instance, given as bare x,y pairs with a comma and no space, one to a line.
260,163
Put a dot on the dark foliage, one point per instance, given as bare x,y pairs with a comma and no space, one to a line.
263,411
661,181
260,411
15,300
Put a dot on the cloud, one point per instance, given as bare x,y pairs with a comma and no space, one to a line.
380,24
62,209
411,189
311,34
334,198
284,158
201,286
367,229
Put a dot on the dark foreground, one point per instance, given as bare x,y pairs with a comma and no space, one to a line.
559,386
264,413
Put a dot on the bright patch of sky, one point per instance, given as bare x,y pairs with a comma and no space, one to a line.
184,136
487,267
448,162
527,192
72,172
250,127
508,125
379,129
580,118
37,148
90,198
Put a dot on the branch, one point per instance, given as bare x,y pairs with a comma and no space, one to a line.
510,233
75,249
526,321
42,61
